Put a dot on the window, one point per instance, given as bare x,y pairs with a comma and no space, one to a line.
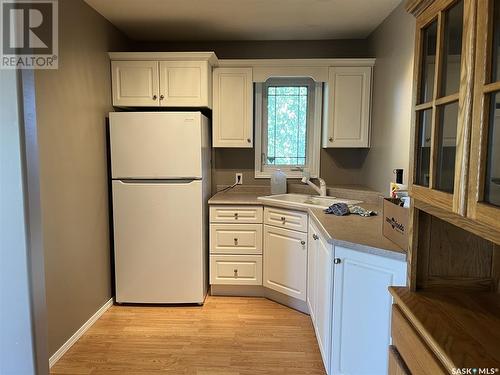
288,122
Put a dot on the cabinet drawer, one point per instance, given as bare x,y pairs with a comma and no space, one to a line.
236,269
414,351
295,220
236,214
236,238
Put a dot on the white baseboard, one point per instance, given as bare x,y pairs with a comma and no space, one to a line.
68,344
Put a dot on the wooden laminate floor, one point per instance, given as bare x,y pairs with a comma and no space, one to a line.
226,336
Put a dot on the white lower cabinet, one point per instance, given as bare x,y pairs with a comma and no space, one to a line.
236,269
285,261
320,278
235,245
362,311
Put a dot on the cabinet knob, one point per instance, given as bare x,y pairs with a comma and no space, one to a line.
336,260
235,272
315,237
236,241
236,215
249,140
154,97
302,242
283,219
162,97
330,139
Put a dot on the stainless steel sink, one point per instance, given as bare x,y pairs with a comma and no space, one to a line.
305,201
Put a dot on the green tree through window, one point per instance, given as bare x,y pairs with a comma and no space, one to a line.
287,114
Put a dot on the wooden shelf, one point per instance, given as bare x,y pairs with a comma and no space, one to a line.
461,328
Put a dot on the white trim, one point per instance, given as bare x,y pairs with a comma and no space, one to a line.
171,56
313,134
250,63
71,341
316,73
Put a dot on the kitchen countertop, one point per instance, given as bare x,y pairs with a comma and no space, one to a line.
357,232
353,231
238,197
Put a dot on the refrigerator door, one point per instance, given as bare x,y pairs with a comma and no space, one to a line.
156,145
160,247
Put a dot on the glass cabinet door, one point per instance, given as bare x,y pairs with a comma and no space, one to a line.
440,121
484,181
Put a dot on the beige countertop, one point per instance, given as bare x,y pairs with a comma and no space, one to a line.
237,197
353,231
357,232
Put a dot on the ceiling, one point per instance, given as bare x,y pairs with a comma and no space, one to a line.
202,20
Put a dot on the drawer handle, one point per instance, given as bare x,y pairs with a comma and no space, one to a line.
315,237
302,242
236,241
236,215
235,272
283,219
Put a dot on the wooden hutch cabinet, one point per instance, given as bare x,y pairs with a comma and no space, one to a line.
448,318
484,170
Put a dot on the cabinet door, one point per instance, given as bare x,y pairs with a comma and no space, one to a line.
324,284
285,261
233,107
312,248
348,112
484,184
443,104
362,310
184,84
135,83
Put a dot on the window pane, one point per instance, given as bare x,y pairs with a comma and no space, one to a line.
424,147
287,125
428,62
492,183
447,143
495,64
452,49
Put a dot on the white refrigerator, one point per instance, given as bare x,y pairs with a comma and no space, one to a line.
160,168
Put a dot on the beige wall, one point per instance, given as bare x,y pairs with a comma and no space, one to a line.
270,49
392,44
72,105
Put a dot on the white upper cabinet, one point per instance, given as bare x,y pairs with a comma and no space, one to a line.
185,84
162,79
135,83
347,107
232,107
362,310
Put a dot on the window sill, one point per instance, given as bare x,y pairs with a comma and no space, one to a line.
289,174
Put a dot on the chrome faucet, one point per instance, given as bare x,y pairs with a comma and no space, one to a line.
321,190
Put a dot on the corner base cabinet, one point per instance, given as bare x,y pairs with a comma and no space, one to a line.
362,310
350,306
285,257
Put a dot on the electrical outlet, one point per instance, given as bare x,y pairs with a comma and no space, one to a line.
239,178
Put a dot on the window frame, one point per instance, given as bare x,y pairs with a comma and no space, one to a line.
313,135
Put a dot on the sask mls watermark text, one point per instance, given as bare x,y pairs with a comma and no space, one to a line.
29,34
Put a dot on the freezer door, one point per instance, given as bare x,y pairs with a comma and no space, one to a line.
160,250
156,145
